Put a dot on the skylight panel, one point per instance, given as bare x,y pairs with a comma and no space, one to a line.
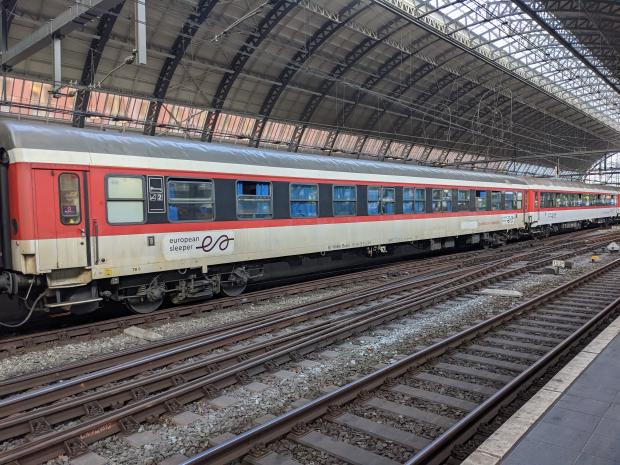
502,29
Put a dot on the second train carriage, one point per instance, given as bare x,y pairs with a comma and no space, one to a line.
88,216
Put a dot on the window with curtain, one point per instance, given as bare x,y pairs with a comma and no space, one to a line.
481,200
388,200
374,200
254,200
344,200
190,200
381,200
436,200
420,200
304,200
496,200
463,197
408,200
125,199
446,200
510,200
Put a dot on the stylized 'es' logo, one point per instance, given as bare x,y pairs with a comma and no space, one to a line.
222,242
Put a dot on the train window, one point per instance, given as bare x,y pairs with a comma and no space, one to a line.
481,200
408,200
442,200
125,199
496,200
388,200
190,200
513,200
69,193
304,200
519,200
586,200
345,200
374,200
420,200
463,197
414,200
254,200
436,200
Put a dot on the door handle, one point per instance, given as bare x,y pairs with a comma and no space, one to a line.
83,232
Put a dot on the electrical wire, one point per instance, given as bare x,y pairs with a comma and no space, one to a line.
27,317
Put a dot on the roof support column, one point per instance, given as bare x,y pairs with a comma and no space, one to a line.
140,17
293,145
57,47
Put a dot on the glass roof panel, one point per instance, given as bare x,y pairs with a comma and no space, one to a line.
500,29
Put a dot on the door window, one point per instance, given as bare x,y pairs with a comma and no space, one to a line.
70,203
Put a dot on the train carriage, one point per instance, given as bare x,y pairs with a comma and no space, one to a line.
90,216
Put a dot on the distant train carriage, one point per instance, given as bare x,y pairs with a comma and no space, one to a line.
90,216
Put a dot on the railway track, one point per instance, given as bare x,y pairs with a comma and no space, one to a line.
422,408
121,407
11,345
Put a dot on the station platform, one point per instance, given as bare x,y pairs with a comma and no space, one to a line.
573,420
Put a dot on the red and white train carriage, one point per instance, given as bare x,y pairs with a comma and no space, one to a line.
90,216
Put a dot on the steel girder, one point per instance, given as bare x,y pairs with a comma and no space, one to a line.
177,52
7,9
93,57
401,89
76,16
314,43
280,8
396,60
339,70
542,23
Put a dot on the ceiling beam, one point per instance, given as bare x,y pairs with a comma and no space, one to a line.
78,15
566,44
521,158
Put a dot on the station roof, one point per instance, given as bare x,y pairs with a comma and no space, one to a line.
520,86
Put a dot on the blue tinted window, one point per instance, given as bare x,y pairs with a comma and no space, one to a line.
253,200
190,200
304,200
420,200
345,200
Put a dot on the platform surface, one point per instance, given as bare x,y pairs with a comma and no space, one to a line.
583,426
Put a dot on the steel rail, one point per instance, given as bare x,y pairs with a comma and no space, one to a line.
13,344
242,444
94,372
55,443
194,344
10,345
337,329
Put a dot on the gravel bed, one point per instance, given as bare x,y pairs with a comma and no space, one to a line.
445,390
462,377
478,366
345,434
502,357
421,429
523,350
56,356
433,407
305,455
353,360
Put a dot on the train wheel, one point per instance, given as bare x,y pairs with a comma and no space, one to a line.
143,305
231,289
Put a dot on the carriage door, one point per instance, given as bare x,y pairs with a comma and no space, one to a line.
62,221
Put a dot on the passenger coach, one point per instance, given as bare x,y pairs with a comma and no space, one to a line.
90,216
